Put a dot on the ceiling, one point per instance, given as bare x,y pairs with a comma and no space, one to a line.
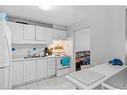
61,15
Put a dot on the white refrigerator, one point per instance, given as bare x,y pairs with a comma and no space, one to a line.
5,56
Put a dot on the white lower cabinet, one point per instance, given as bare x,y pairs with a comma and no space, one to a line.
41,68
29,71
17,72
51,66
4,78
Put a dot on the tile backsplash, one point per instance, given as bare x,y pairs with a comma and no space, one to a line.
21,50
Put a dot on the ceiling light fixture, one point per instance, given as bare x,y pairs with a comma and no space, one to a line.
44,7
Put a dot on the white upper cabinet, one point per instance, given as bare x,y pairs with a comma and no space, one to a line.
17,32
49,36
59,34
40,33
29,32
44,34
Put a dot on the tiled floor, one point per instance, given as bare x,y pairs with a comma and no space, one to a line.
60,83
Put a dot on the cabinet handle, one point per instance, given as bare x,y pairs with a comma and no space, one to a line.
2,67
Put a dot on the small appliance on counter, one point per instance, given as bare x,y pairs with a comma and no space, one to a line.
46,51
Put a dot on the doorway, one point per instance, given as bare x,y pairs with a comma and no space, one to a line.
82,48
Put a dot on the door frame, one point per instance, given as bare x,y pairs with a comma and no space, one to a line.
74,45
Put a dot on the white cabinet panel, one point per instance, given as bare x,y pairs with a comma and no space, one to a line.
41,68
29,70
22,33
44,34
63,34
26,71
4,78
59,34
17,72
40,33
17,32
49,36
51,66
29,32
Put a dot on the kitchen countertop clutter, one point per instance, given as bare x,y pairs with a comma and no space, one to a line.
36,58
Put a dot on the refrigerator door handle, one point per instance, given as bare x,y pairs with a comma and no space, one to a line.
7,46
2,67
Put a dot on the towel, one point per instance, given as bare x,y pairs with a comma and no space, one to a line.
65,61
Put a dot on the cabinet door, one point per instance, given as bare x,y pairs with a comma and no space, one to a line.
29,70
40,33
63,34
4,78
41,68
29,32
17,32
51,66
59,34
49,36
17,73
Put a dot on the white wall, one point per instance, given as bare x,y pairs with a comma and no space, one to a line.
126,36
1,43
107,37
82,39
118,32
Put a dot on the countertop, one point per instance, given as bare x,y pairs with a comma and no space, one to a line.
27,59
106,69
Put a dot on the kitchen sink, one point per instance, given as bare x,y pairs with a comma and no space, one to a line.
34,57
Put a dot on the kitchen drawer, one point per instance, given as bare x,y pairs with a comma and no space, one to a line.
52,67
51,59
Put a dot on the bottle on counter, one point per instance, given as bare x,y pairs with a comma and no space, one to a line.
29,53
46,51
